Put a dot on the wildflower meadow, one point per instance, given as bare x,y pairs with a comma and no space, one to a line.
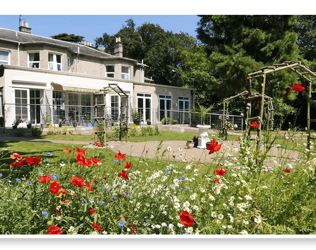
95,191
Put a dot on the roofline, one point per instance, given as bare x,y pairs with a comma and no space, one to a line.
108,57
5,66
161,85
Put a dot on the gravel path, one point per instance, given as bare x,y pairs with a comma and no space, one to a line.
178,151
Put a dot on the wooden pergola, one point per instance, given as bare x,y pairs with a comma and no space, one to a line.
297,68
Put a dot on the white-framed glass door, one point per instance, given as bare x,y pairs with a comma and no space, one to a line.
144,107
165,106
184,110
22,110
36,99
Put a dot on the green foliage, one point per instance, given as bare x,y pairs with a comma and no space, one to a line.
36,131
156,132
68,37
201,112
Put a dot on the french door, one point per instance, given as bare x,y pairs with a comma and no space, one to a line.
22,110
28,105
184,110
165,105
144,107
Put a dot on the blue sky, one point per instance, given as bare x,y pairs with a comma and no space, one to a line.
92,26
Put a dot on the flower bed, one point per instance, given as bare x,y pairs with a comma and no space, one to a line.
84,192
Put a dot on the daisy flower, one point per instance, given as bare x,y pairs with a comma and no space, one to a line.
257,220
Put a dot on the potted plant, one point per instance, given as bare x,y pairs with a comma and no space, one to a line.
148,122
136,117
201,111
28,124
73,121
165,120
16,123
46,119
196,141
60,123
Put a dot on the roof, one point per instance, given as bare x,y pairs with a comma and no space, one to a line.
26,38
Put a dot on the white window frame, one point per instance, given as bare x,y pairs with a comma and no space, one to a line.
9,58
28,58
54,62
126,74
109,72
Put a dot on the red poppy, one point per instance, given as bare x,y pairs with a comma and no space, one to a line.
254,125
29,160
66,150
18,164
128,165
186,218
220,172
44,178
134,229
54,187
85,162
239,137
96,226
98,144
217,180
213,147
120,156
104,178
63,191
89,186
92,211
297,87
16,156
81,154
95,161
124,175
76,181
286,170
54,230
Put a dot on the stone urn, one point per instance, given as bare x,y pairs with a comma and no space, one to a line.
203,138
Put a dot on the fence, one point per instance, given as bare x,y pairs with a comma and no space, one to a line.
37,114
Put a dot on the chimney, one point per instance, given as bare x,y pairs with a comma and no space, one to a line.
25,27
118,48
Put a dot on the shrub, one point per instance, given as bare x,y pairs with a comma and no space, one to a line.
133,131
50,130
156,130
36,131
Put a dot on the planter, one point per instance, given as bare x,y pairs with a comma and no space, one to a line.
90,124
136,122
29,126
15,127
196,142
203,131
60,125
148,123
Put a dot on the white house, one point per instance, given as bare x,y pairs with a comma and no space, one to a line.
42,77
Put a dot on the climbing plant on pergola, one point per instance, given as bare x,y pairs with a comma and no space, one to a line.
297,68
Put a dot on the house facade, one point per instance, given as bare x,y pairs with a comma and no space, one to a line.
49,80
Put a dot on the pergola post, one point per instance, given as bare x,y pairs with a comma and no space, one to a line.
261,110
309,115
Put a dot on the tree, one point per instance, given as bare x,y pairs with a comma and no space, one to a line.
69,37
238,45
